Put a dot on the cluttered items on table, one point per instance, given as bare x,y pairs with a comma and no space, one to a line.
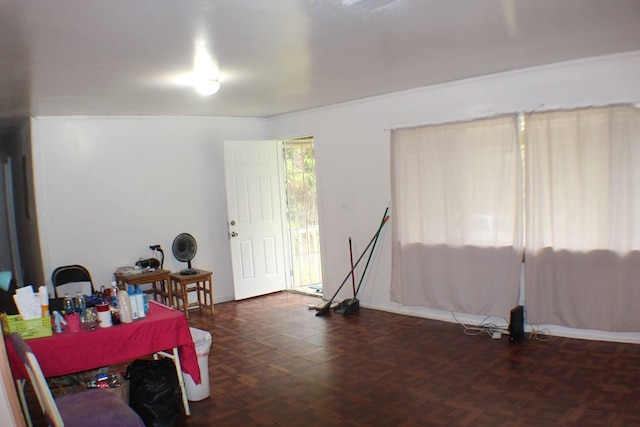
110,306
103,309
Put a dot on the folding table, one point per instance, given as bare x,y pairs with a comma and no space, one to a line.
164,331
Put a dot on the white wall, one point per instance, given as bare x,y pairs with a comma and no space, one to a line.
352,153
107,188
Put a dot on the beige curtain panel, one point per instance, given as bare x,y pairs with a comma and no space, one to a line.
468,198
457,229
582,265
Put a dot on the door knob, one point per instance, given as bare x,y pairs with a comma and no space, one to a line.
234,234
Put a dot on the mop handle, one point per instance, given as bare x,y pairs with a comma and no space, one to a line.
375,237
353,273
369,259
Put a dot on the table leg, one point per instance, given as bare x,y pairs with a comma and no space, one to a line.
23,401
185,401
169,292
176,360
184,296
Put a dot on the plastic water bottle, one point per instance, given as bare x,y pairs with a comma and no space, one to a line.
81,306
68,306
114,296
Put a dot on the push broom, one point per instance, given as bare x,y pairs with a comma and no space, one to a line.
352,305
325,309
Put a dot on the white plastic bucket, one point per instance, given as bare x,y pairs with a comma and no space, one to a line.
202,341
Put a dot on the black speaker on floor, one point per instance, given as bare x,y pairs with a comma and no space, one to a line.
516,325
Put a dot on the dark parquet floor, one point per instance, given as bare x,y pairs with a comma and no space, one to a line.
274,363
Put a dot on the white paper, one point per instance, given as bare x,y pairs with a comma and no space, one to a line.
28,306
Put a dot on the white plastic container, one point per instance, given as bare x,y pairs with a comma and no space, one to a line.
104,315
140,302
124,307
133,301
202,341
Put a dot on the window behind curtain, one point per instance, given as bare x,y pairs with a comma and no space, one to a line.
582,265
457,229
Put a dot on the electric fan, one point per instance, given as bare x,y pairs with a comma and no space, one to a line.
184,249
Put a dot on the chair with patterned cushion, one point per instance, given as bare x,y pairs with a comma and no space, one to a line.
95,407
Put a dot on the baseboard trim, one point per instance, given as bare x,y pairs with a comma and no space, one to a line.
554,330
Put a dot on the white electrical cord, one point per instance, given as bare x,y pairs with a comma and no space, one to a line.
489,328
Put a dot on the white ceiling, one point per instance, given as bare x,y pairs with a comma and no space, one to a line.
117,57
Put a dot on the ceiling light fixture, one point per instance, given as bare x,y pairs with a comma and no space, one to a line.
207,87
204,71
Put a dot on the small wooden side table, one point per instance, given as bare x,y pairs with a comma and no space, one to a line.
183,284
159,280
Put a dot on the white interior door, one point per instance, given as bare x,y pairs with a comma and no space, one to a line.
252,171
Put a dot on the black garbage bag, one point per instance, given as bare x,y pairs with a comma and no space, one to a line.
154,392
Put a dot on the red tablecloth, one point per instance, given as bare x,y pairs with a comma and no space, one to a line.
68,352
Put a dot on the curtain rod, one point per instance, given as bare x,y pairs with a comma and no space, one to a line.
417,125
537,109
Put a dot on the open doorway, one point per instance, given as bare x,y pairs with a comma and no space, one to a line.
302,215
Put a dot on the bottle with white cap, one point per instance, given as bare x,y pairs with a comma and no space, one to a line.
140,302
134,302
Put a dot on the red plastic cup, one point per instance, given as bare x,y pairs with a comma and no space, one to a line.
73,321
